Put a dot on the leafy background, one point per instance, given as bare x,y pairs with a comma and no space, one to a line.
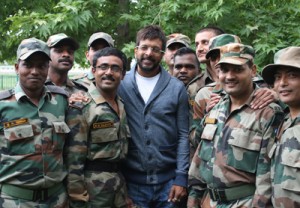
266,25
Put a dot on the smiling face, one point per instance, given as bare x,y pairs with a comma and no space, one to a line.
148,60
237,80
202,44
33,72
108,73
287,86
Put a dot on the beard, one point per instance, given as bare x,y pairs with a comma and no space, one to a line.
144,68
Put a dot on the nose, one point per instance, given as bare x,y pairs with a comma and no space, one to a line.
283,80
66,53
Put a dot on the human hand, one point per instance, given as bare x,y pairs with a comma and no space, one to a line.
263,97
214,99
177,193
78,97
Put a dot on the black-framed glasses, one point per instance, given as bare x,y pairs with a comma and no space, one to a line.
154,49
105,67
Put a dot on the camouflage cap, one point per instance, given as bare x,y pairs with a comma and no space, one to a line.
287,57
101,35
178,38
236,54
30,46
216,42
53,40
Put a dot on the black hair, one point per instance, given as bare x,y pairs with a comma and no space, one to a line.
151,32
185,50
109,51
216,30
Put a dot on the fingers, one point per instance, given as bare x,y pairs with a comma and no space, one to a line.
263,97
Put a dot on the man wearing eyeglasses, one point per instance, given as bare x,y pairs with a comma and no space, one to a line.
98,139
156,105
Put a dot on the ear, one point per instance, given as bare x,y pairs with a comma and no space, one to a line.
87,55
254,70
17,68
93,70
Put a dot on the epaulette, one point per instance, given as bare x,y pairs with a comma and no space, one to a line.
57,90
80,86
6,94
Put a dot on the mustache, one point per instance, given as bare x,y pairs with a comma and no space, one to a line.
108,78
65,60
148,58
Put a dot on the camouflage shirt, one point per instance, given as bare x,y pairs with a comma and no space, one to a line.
71,86
85,79
285,171
32,138
233,150
98,132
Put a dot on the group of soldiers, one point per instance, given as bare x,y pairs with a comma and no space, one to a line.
222,136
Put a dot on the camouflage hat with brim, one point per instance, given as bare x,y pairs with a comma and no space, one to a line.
178,38
30,46
101,35
287,57
62,39
236,54
216,42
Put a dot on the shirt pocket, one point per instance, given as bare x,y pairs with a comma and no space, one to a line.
291,170
206,148
244,149
60,129
20,140
104,143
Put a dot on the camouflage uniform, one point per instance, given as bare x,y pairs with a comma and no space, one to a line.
71,86
285,153
97,143
85,79
233,153
31,146
285,165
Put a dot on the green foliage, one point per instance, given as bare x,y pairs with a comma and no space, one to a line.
266,25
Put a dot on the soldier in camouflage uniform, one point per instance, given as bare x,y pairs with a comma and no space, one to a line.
62,49
98,138
32,134
284,74
97,41
235,138
175,41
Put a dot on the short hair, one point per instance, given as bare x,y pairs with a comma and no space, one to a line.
216,30
185,50
109,51
151,32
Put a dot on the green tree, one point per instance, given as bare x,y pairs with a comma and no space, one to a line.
266,25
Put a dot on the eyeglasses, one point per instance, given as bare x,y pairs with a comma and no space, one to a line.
105,67
154,49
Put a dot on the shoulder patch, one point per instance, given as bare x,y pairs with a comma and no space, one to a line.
6,94
57,90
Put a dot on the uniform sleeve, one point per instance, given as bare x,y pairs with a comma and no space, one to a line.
76,153
262,196
198,113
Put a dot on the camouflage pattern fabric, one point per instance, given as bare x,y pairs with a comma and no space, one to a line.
233,151
97,133
285,169
71,86
85,79
31,142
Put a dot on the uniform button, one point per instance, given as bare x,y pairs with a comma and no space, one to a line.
148,142
150,179
146,127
